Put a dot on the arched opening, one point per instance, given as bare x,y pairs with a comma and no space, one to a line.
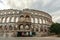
20,33
36,20
12,19
27,16
27,27
5,27
45,28
21,18
32,20
1,27
46,21
9,12
17,19
10,27
21,26
16,27
3,20
8,19
13,12
5,13
0,19
41,29
40,21
37,29
43,21
17,12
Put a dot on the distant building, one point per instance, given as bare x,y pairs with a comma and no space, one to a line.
26,22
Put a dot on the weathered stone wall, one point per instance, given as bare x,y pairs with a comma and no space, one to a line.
10,20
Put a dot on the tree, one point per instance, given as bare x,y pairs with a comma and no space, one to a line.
55,28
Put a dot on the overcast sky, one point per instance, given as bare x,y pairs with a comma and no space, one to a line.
50,6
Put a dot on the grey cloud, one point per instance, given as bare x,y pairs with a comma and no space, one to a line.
50,7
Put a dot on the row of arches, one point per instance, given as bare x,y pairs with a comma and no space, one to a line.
39,20
9,12
22,27
10,28
16,19
41,14
8,19
14,27
13,18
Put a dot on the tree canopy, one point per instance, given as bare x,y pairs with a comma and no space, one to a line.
55,28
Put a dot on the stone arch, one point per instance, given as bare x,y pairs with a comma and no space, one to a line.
41,28
13,12
9,12
0,19
37,29
3,20
10,27
32,20
4,12
17,19
27,16
1,27
12,19
32,26
45,28
40,20
36,20
21,16
7,20
5,27
15,27
44,21
47,21
21,26
26,26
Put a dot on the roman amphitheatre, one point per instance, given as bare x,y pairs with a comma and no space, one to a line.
24,23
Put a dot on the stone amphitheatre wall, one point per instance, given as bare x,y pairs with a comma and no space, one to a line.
9,18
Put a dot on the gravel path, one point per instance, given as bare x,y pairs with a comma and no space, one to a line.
30,38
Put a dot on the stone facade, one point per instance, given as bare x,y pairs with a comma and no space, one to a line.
25,22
